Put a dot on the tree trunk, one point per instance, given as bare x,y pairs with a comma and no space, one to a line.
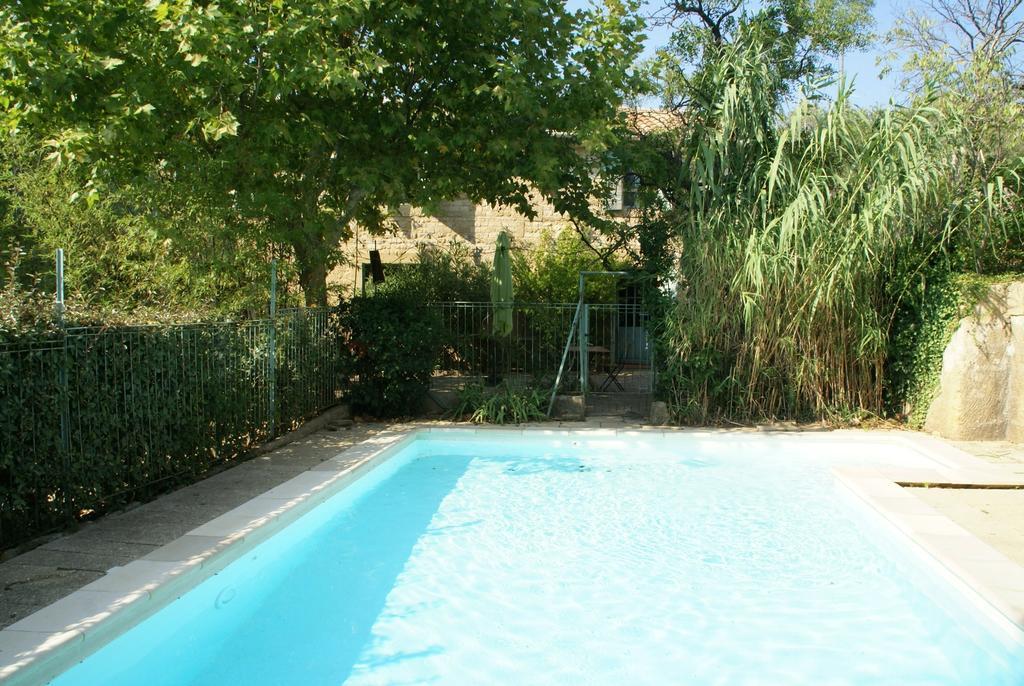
313,279
311,260
312,251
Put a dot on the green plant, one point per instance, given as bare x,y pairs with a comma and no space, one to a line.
355,111
99,416
441,273
130,250
802,37
393,344
503,404
794,237
922,329
549,271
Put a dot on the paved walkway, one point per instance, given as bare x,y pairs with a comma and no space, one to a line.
1002,452
41,576
994,515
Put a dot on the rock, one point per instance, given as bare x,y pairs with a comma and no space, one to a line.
659,415
570,407
981,386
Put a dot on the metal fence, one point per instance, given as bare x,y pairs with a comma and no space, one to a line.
617,355
93,417
531,352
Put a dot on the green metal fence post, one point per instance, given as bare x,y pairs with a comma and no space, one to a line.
272,354
584,343
565,355
62,381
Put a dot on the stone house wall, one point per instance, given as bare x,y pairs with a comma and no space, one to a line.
475,226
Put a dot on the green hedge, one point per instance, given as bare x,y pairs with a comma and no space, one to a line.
394,344
97,417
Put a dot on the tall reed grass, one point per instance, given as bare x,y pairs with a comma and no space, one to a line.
803,234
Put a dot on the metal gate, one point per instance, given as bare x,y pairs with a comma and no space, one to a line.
610,348
615,352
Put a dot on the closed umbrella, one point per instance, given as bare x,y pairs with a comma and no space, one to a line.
501,286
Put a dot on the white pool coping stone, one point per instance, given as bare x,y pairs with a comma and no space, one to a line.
41,646
973,565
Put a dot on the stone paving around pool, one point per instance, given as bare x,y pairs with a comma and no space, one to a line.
996,516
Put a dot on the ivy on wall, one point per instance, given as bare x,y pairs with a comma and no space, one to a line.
921,333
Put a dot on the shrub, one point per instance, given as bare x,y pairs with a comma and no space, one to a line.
393,342
131,248
501,405
23,312
550,270
448,273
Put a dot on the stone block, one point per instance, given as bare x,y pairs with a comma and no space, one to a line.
659,415
982,380
1015,384
439,401
570,407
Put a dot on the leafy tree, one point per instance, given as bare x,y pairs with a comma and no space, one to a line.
802,38
297,118
962,32
963,57
126,250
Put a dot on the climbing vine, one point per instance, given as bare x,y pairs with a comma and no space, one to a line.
922,330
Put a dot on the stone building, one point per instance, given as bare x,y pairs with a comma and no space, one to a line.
475,225
461,220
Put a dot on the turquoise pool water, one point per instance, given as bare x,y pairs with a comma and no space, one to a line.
637,561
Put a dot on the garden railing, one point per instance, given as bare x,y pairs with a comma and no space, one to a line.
616,336
99,416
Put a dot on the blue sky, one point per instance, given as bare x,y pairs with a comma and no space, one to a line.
870,88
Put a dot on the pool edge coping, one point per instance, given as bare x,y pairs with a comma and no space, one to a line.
43,645
983,572
57,636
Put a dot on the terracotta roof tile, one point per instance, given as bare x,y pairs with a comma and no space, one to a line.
644,121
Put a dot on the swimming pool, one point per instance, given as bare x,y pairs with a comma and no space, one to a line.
506,559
